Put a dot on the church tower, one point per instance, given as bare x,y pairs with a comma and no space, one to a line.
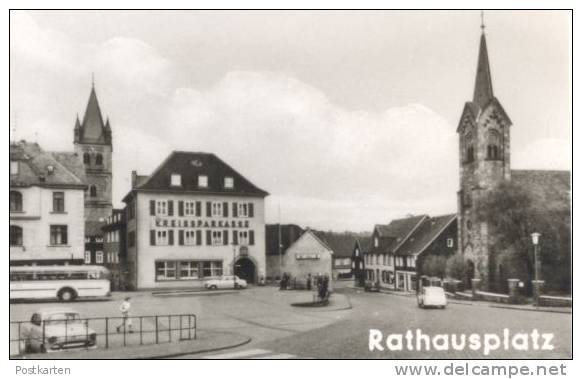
484,162
92,140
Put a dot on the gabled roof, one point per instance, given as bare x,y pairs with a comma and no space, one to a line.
429,230
42,168
192,164
309,233
548,189
364,243
393,234
342,244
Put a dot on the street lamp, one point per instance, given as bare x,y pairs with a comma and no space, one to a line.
535,238
233,263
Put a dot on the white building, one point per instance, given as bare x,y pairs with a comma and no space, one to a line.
191,219
46,206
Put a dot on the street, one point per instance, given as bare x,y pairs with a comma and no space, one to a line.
280,331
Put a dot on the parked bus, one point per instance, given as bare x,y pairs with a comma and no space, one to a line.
64,283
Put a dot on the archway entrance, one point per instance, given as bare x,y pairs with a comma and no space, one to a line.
245,269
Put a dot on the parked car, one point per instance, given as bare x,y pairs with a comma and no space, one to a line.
432,297
371,286
54,329
229,281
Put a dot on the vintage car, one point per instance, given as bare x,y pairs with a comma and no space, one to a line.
432,297
225,282
54,329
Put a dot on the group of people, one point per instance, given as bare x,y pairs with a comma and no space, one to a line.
318,282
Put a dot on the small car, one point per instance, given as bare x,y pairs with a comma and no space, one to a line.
432,297
230,281
54,329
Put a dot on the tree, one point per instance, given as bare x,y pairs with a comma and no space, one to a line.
456,267
512,215
434,265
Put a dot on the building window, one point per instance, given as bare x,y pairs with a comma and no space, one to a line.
228,182
375,241
93,191
99,257
469,150
189,237
161,237
212,268
161,208
243,237
58,201
87,257
411,262
14,167
99,159
86,158
166,270
189,208
15,235
450,242
15,201
217,237
202,181
188,270
175,180
243,210
493,145
58,235
216,209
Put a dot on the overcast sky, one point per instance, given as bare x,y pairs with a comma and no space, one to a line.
348,119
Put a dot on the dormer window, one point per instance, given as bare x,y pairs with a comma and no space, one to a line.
228,182
50,169
176,180
14,167
203,181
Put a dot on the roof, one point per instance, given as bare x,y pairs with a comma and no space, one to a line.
365,243
429,230
550,188
289,234
47,169
192,164
94,228
342,244
483,92
393,234
93,129
309,232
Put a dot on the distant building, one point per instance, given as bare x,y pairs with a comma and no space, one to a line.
342,245
278,239
193,218
308,256
114,248
361,248
46,206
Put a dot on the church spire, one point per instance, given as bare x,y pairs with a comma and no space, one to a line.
92,125
483,86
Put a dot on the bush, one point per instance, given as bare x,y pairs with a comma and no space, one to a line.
456,267
434,265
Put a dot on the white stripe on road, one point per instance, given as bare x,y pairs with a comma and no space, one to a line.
238,354
276,356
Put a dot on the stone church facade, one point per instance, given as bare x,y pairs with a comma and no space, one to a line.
93,145
484,163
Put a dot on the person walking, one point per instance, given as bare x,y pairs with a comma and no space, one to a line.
125,319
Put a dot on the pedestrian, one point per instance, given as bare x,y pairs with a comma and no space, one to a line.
125,319
309,282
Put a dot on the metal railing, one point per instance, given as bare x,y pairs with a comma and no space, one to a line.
100,332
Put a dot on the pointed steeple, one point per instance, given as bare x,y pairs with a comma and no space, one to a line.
92,125
483,86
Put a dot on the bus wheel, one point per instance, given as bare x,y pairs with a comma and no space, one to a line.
67,294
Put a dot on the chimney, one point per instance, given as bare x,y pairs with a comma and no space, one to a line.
133,179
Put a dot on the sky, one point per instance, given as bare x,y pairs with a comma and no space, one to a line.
347,118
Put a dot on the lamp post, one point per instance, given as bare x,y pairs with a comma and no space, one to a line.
233,263
535,238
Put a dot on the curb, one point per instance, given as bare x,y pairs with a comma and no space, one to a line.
531,309
203,351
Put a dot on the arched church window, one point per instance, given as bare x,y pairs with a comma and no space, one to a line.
86,158
468,200
93,191
493,145
469,149
99,159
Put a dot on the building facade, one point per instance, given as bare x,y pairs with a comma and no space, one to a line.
93,146
46,206
342,245
193,218
308,257
278,239
114,248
